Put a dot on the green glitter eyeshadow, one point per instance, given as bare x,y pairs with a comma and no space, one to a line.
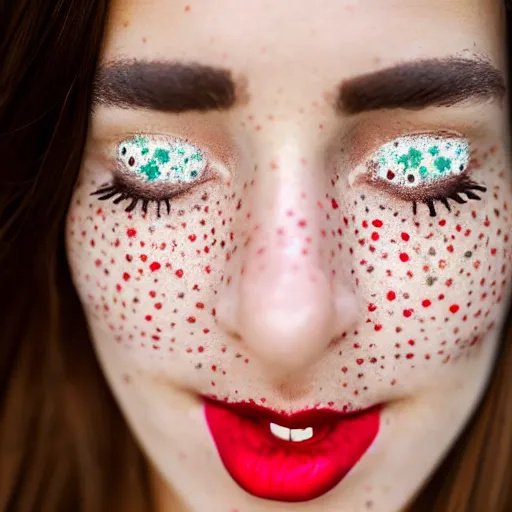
161,159
416,160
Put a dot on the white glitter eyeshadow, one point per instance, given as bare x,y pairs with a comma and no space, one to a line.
417,160
161,160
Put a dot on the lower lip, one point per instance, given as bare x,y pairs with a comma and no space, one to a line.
271,468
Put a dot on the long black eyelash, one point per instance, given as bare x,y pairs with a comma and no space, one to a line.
464,186
119,193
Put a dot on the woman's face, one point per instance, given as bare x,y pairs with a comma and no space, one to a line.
291,240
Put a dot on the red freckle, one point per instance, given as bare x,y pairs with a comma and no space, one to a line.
334,204
129,257
377,223
191,320
441,296
411,342
179,273
148,318
200,349
206,331
409,356
391,295
143,258
192,238
131,232
372,307
152,293
207,269
200,305
450,248
404,257
118,287
454,308
442,222
390,174
426,303
97,263
126,276
302,223
408,312
377,327
158,305
493,251
154,266
365,224
359,361
375,236
405,237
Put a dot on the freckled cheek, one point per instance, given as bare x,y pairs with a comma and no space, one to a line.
431,287
148,282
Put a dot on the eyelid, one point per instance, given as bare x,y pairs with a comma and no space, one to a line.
360,170
154,169
394,165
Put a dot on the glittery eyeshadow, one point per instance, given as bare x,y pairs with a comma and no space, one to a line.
417,160
161,160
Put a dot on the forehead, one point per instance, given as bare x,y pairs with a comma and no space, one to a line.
306,40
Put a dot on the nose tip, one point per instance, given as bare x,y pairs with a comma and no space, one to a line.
287,320
284,326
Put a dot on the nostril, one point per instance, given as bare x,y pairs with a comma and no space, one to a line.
336,339
235,336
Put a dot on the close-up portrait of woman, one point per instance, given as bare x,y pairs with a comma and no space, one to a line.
255,256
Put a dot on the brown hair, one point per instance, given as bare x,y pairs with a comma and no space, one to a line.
64,445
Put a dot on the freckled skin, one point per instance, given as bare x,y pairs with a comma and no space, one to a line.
283,281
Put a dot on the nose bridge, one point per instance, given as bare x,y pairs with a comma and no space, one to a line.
288,217
283,302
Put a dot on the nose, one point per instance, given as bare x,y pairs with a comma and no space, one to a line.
288,294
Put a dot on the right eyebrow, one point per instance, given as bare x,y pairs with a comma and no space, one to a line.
164,86
420,84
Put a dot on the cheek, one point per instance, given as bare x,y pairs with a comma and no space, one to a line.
149,284
432,285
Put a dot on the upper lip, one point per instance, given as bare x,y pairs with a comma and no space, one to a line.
302,419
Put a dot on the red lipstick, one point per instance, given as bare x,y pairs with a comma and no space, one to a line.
291,458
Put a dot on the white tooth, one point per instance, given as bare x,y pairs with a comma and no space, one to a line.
280,432
301,434
296,435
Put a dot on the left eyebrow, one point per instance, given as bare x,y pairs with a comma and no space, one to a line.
421,84
163,86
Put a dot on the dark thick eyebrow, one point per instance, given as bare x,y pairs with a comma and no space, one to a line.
164,86
421,84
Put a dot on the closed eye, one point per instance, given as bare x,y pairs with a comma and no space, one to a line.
154,169
425,169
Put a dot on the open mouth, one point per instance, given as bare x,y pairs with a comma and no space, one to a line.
289,458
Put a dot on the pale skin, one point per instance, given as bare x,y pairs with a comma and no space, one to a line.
284,279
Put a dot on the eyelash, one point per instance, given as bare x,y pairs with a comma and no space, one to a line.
120,189
462,185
